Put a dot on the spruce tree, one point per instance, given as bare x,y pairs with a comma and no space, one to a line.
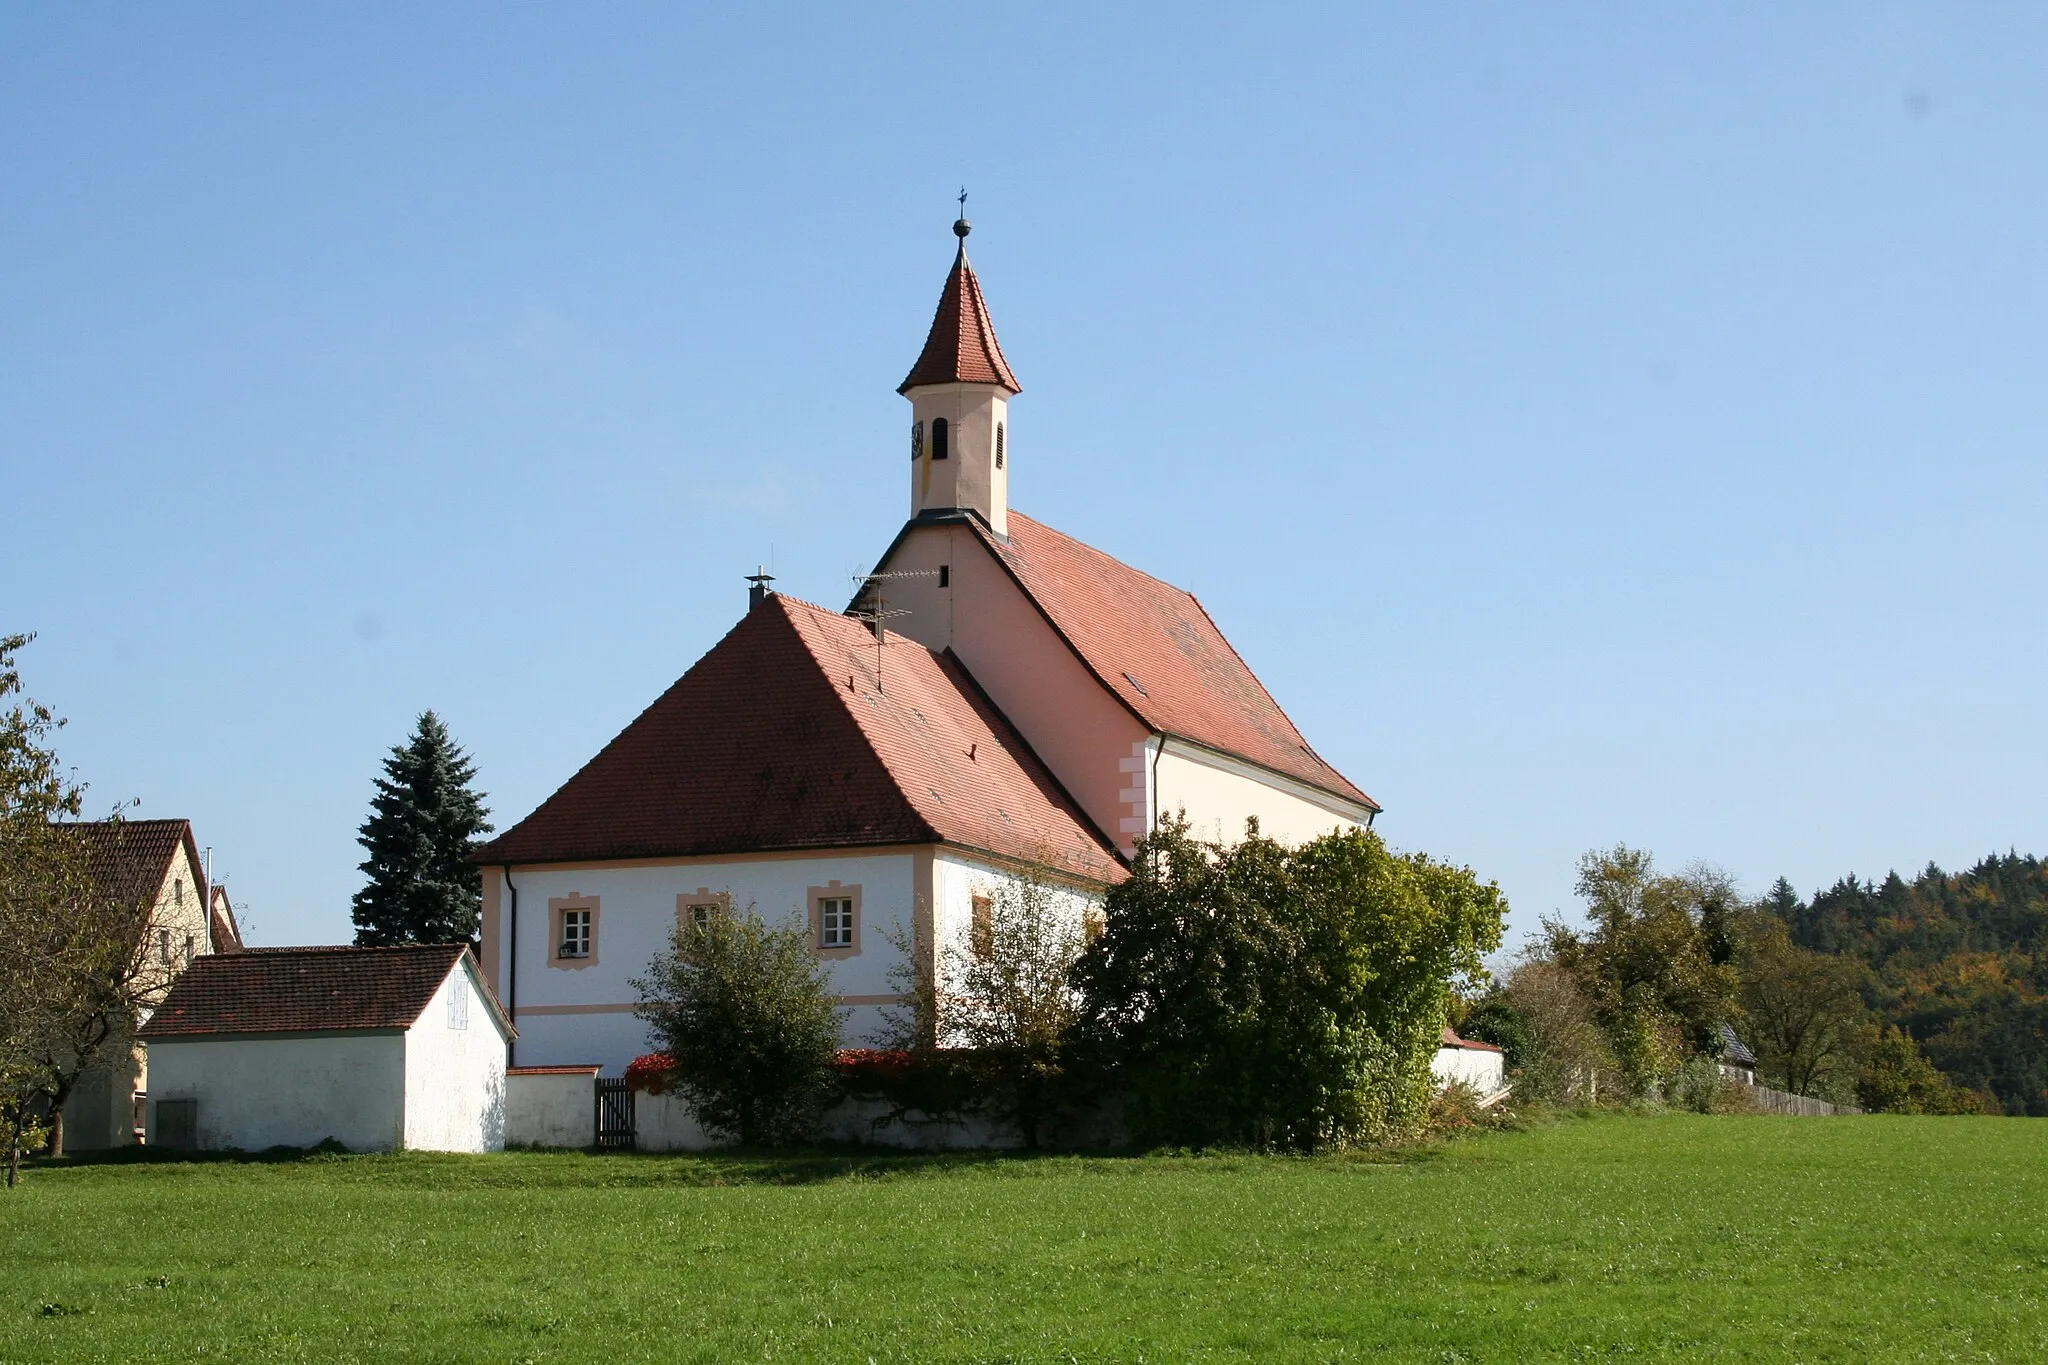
424,823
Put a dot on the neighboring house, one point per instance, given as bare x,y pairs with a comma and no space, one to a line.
136,862
1479,1065
999,702
376,1048
1738,1063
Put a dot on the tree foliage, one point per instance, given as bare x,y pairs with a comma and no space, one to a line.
1259,995
1654,963
1896,1078
425,821
1958,961
996,1006
74,967
749,1016
1802,1012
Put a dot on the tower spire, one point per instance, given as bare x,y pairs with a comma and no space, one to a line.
960,391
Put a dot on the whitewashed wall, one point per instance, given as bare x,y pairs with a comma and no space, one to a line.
292,1091
1218,793
455,1077
554,1109
1483,1070
570,1015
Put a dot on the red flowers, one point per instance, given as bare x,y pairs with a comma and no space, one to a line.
652,1072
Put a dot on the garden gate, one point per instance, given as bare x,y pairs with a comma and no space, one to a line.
614,1112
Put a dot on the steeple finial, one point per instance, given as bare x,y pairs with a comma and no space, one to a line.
961,227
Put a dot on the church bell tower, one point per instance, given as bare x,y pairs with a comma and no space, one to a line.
959,392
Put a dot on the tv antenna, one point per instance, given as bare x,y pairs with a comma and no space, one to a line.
871,606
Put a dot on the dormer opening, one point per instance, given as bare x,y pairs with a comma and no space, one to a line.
941,438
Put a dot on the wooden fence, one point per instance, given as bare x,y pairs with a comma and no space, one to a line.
1784,1102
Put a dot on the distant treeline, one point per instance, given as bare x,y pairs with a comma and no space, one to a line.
1959,960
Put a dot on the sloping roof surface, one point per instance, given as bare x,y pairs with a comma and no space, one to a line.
279,990
780,738
128,859
961,348
1154,646
1451,1039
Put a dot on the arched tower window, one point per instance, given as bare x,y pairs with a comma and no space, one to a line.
941,444
999,445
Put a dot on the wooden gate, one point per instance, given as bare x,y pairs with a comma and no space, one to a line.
614,1113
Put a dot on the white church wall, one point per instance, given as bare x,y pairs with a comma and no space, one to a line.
1073,723
572,1011
455,1071
1218,793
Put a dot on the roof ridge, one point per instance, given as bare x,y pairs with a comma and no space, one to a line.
356,947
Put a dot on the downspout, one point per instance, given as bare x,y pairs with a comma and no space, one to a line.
1157,751
512,972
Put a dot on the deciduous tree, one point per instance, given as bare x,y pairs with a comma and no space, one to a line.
749,1018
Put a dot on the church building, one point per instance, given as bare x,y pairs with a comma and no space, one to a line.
998,702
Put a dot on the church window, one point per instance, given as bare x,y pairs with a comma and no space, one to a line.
576,933
999,445
574,921
916,439
941,444
835,920
694,910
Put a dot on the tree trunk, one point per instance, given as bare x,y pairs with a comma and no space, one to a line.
14,1159
56,1144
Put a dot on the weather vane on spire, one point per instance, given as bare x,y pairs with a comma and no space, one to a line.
960,225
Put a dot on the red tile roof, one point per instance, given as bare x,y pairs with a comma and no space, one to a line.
1451,1039
129,859
286,990
780,738
961,347
1154,646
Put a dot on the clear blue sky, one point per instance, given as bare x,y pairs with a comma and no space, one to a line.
1593,422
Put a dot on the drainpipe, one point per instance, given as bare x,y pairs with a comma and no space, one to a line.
512,972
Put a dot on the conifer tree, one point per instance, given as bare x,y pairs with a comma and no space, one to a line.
424,823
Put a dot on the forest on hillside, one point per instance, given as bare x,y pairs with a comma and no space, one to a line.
1958,960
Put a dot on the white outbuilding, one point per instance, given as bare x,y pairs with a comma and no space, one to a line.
376,1048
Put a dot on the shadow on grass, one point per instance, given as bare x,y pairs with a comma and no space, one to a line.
559,1168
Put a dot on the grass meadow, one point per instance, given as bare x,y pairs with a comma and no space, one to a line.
1672,1237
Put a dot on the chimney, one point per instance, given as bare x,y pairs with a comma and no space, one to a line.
760,592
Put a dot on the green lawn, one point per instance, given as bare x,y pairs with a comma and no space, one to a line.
1677,1237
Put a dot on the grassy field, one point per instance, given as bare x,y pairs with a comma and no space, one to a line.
1673,1237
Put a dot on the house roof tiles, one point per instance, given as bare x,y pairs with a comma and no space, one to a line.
290,990
783,737
129,859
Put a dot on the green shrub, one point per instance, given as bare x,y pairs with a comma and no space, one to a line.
1255,995
746,1013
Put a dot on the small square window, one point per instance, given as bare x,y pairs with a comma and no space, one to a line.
835,922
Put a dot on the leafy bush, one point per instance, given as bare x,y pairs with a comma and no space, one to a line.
1897,1079
1695,1084
1255,995
746,1015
